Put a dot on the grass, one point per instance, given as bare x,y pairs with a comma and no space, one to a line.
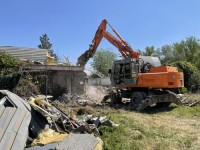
185,111
174,127
178,128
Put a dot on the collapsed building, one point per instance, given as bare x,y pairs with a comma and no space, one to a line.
37,121
59,78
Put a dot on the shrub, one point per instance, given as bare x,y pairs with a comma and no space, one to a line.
8,63
191,74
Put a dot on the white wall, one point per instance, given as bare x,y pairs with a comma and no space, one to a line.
100,81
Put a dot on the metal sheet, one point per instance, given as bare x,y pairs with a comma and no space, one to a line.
14,122
32,54
5,120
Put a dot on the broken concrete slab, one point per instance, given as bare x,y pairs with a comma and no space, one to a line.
78,142
62,145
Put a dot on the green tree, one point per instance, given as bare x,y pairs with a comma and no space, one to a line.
45,44
102,61
157,53
8,63
188,50
149,51
179,51
191,73
167,54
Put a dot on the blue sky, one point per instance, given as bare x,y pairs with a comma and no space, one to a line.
71,25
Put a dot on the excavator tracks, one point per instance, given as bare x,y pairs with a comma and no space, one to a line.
171,97
140,100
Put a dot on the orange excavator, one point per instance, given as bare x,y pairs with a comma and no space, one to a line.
141,79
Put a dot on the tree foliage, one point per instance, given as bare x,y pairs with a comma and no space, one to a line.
149,51
186,50
189,50
191,73
45,44
8,63
185,55
102,61
167,54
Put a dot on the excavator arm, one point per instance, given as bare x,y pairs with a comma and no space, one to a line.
124,48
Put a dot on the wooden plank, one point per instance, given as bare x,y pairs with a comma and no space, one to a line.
7,141
5,119
22,134
2,108
12,129
16,101
16,133
13,99
16,120
2,101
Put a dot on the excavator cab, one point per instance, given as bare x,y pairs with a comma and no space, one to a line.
124,72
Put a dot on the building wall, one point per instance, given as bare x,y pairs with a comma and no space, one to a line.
100,82
72,82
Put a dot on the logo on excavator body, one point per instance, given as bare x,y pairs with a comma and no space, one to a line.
149,80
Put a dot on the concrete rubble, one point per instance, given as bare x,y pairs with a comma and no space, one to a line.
93,96
85,142
46,124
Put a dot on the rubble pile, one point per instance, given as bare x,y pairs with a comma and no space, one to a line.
96,93
49,124
93,96
190,100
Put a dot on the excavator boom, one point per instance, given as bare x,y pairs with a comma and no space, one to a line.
124,48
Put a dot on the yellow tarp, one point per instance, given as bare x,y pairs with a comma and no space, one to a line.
99,146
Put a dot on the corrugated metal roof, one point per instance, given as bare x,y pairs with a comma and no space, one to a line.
14,121
32,54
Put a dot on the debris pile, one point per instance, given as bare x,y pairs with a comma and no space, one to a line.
60,122
100,96
96,93
47,124
93,96
190,100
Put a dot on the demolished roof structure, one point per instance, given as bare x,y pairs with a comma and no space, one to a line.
31,54
15,117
